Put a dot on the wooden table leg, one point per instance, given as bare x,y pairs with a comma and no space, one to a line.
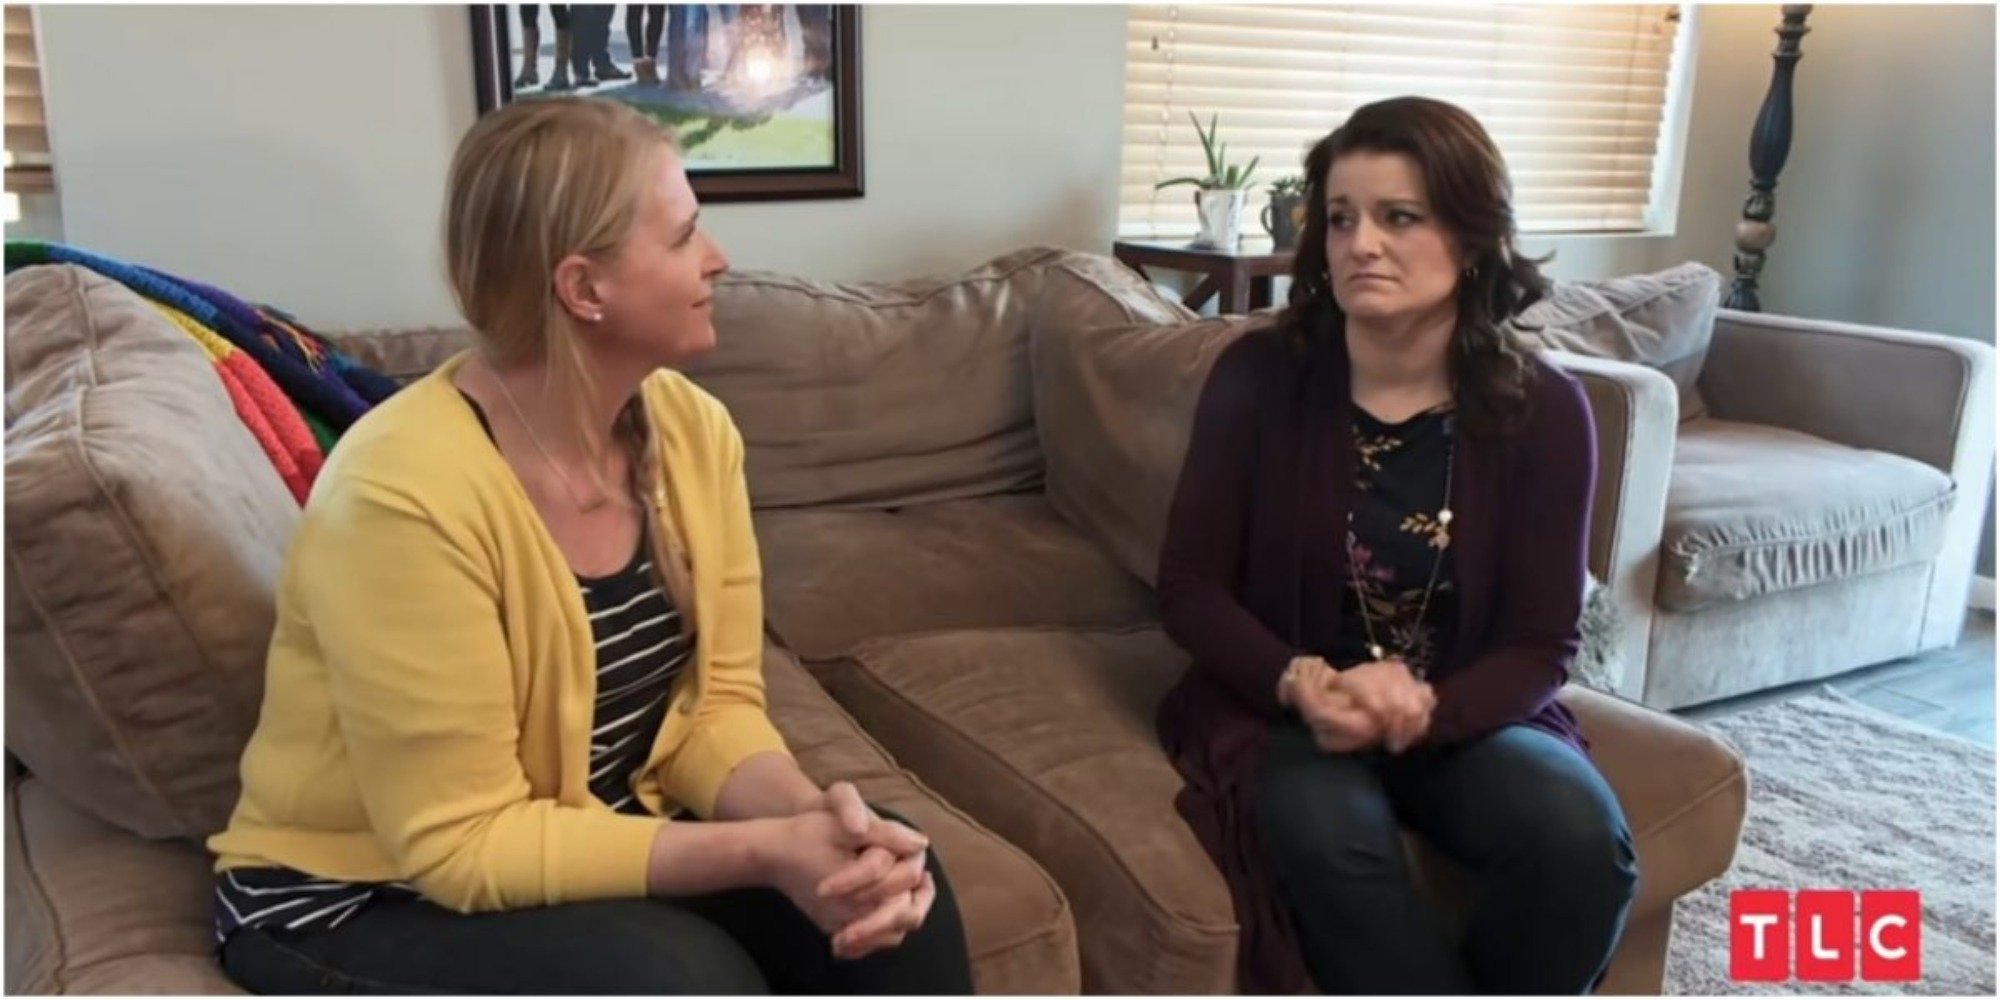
1260,291
1201,293
1236,293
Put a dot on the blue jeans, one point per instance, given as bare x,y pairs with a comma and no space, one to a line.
1526,815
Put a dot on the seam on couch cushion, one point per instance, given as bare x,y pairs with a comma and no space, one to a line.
1096,837
1734,779
18,828
1684,548
1123,306
1620,498
80,679
1611,309
821,291
135,540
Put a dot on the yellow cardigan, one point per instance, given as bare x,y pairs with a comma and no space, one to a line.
430,686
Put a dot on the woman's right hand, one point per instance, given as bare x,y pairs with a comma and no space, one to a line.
1394,696
1339,724
807,853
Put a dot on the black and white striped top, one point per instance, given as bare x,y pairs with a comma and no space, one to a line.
640,652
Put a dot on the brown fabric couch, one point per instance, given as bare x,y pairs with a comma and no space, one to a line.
144,531
992,622
958,486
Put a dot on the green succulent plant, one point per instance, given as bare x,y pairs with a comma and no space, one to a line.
1294,184
1222,175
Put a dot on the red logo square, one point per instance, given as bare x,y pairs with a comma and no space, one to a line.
1823,936
1892,936
1760,935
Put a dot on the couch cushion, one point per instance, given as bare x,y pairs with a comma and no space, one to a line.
1017,923
1756,510
1663,320
403,355
1047,736
876,395
146,531
1114,405
97,910
833,578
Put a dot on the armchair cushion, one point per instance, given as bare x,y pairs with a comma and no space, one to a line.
1756,510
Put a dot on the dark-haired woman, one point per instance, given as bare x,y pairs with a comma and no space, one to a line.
1375,557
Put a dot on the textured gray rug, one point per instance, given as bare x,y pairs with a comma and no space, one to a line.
1845,797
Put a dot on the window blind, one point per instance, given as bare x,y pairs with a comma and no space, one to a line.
29,166
1576,97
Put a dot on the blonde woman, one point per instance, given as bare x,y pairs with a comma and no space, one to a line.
514,735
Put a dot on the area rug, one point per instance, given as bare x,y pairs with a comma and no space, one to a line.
1845,797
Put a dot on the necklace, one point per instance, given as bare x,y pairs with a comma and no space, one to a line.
1375,648
586,506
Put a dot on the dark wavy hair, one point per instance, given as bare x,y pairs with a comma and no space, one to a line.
1470,193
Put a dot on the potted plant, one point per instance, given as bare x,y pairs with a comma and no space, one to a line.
1286,213
1222,193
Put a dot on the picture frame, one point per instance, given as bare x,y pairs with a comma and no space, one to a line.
765,99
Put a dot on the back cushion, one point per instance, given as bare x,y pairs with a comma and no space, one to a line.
879,395
1118,370
1662,320
145,530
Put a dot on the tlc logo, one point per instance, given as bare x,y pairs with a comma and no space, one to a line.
1770,941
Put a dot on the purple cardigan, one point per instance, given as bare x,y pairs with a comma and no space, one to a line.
1253,541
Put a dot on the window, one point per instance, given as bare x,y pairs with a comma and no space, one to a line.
29,169
1577,98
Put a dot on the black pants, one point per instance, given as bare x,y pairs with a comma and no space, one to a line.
591,50
529,13
1526,815
643,24
737,942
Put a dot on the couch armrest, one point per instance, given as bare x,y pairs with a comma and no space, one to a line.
403,355
1637,410
1920,395
1684,792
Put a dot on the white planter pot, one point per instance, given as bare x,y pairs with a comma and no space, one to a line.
1221,214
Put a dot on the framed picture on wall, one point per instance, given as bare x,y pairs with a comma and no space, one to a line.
765,98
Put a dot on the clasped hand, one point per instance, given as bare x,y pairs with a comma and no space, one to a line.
860,878
1380,703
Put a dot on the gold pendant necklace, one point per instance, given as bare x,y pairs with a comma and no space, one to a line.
1375,648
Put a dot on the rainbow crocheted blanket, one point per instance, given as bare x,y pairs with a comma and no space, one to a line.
294,392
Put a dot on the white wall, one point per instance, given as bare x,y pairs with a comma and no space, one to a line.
298,154
988,129
291,154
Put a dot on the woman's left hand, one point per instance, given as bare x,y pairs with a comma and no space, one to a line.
892,886
1393,694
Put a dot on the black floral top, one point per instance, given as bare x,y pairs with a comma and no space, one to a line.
1396,540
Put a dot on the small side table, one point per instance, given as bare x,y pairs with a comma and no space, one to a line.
1242,276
